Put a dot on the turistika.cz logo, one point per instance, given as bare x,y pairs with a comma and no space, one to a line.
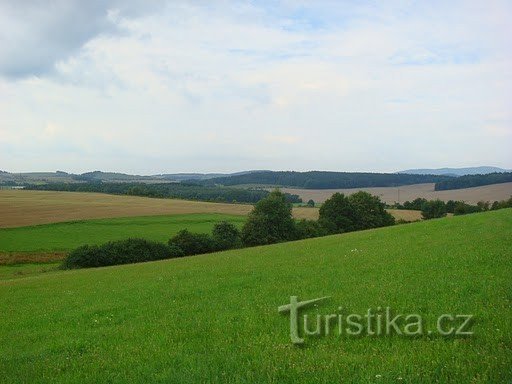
380,322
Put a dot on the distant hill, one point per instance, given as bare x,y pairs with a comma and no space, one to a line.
7,178
455,171
325,180
199,176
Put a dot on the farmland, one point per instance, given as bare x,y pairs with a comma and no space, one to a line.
28,208
213,318
22,208
391,195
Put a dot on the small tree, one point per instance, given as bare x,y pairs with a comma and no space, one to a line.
311,203
270,221
433,209
226,236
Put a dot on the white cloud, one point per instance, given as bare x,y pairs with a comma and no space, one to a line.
196,87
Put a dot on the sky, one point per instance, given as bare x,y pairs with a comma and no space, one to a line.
149,87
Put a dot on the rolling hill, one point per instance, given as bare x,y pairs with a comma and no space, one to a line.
214,318
455,171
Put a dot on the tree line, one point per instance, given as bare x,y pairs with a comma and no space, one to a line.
188,191
431,209
270,222
324,180
469,181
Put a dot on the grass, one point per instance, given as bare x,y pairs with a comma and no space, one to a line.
65,236
213,318
15,271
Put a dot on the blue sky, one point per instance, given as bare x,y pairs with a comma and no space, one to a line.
154,87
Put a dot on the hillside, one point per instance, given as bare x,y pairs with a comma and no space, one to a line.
214,318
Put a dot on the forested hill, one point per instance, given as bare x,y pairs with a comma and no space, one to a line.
166,190
325,180
469,181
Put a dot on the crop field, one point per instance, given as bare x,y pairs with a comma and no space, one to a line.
214,318
22,208
391,195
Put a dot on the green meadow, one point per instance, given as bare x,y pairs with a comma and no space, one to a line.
214,319
68,235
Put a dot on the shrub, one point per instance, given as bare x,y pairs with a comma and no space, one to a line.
433,209
306,229
193,243
226,236
119,252
311,203
462,208
270,221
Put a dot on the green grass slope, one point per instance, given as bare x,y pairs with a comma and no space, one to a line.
66,236
214,318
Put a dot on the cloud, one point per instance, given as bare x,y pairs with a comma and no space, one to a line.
36,35
196,86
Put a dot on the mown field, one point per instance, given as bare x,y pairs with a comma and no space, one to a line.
214,318
22,208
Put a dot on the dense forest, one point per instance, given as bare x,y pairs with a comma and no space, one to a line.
186,191
469,181
325,180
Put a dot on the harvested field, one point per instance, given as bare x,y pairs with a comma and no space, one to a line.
21,208
405,214
410,192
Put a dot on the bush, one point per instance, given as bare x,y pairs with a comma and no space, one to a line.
311,203
119,252
359,211
226,236
193,243
433,209
306,229
462,208
270,221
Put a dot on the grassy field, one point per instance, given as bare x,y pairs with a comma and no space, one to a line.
21,208
65,236
214,318
49,242
410,192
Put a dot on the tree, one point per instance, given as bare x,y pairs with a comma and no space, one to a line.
450,206
369,211
336,214
226,236
270,221
311,203
433,209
